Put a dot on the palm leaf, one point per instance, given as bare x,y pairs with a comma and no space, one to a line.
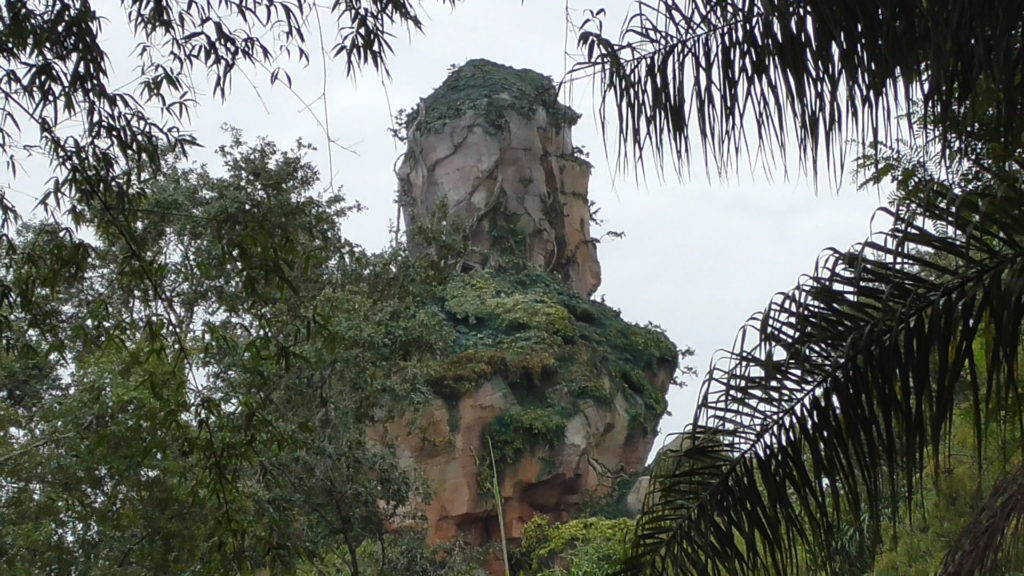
833,399
995,536
765,74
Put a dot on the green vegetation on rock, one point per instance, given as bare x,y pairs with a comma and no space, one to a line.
555,350
520,429
530,327
489,89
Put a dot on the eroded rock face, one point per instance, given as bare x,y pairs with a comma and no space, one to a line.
568,392
494,145
446,443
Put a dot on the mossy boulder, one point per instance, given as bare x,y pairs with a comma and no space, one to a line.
567,393
550,343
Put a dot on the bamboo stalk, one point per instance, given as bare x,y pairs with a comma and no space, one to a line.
496,489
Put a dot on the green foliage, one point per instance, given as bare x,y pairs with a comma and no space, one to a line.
225,366
521,429
515,433
489,89
403,552
837,403
917,544
526,323
555,350
100,138
584,547
477,298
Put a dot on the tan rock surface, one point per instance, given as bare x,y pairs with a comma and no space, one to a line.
446,443
519,188
505,168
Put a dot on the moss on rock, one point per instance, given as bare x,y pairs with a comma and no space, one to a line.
489,89
480,299
528,326
554,348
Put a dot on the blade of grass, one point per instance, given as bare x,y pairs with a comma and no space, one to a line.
496,489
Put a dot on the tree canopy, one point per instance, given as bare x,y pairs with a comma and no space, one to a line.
57,99
229,434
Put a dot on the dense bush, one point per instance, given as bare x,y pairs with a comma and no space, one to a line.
401,553
584,547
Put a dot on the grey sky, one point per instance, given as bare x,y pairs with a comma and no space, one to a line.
699,255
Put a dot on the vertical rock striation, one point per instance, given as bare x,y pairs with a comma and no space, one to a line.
495,146
566,392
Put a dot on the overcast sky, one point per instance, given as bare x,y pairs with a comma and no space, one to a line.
700,255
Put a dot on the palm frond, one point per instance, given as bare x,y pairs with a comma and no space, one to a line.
765,74
833,399
993,541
